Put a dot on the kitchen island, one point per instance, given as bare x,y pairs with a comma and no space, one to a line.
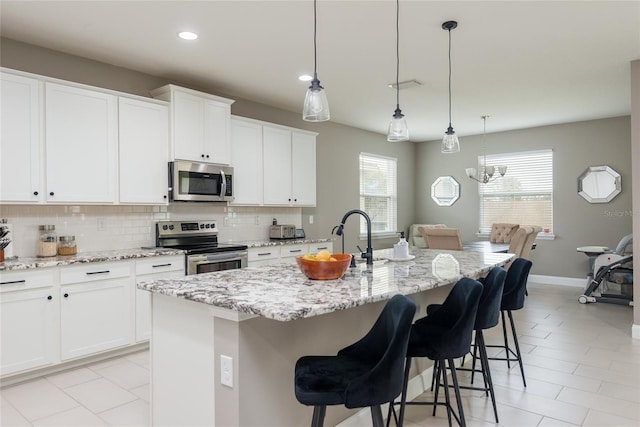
261,320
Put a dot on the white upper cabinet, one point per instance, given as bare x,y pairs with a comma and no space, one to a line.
277,166
200,125
246,156
81,145
143,139
273,165
303,169
20,139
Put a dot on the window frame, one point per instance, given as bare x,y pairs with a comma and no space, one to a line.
390,194
539,161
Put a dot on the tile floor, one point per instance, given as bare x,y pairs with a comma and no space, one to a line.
581,364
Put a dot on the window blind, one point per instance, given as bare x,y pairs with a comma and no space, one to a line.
378,193
524,195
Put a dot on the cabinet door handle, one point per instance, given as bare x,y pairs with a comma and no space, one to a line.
322,247
14,282
35,193
295,250
51,193
49,297
98,272
202,155
161,265
66,295
164,197
264,253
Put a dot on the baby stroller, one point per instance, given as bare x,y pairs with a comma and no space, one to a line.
611,280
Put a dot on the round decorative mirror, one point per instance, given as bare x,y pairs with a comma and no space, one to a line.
445,191
599,184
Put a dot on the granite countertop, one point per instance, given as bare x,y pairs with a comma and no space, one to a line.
281,292
23,263
279,242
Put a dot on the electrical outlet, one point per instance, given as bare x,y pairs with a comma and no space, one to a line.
101,224
257,220
310,219
226,370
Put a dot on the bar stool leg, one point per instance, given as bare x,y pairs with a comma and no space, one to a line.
376,416
318,415
515,340
456,388
506,342
445,383
403,399
484,360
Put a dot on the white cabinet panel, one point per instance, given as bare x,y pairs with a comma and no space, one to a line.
291,251
316,247
143,140
28,330
152,269
200,123
303,165
81,145
95,317
246,157
20,138
277,166
263,256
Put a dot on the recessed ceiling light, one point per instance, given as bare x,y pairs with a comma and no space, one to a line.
305,78
187,35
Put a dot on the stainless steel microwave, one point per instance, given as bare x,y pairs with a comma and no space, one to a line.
200,182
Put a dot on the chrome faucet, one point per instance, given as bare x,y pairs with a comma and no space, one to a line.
368,255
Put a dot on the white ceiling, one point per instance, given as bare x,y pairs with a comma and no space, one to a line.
523,63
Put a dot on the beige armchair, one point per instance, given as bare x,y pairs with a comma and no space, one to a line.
442,238
415,237
503,232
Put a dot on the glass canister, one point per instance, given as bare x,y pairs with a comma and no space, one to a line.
47,241
67,245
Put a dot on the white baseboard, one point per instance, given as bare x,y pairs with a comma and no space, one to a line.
558,280
635,332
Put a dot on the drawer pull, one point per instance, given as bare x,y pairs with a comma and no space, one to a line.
98,272
264,253
66,295
322,247
161,265
15,282
295,250
49,297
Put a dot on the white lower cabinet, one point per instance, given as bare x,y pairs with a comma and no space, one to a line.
268,255
152,269
95,308
28,329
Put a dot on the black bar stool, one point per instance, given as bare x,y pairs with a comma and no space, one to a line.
441,337
365,374
515,288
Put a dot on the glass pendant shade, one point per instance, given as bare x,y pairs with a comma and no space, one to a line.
398,130
316,106
450,143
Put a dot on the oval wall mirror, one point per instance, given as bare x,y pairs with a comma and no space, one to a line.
445,191
599,184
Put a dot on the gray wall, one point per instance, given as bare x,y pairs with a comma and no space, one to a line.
576,222
635,154
337,149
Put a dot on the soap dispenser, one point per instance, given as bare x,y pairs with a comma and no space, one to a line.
401,249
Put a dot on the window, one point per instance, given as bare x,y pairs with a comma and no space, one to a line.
524,195
378,194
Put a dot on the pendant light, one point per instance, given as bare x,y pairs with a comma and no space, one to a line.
398,130
450,143
316,106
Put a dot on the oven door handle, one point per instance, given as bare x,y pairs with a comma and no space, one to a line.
224,256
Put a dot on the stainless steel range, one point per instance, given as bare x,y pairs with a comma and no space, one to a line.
199,239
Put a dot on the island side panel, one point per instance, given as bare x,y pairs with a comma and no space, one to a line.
182,363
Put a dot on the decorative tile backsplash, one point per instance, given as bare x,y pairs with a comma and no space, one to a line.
99,228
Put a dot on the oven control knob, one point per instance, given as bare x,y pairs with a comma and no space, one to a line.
164,227
213,226
202,226
206,226
171,227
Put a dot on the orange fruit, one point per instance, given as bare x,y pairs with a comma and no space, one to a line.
323,255
332,259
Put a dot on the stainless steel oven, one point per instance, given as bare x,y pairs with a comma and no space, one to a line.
199,240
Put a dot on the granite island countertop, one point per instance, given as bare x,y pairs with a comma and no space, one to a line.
277,242
281,292
23,263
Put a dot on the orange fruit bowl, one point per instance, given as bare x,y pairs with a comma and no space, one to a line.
324,270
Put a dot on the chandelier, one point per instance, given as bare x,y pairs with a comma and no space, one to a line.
487,173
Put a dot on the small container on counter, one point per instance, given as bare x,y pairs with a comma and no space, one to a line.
47,241
67,245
